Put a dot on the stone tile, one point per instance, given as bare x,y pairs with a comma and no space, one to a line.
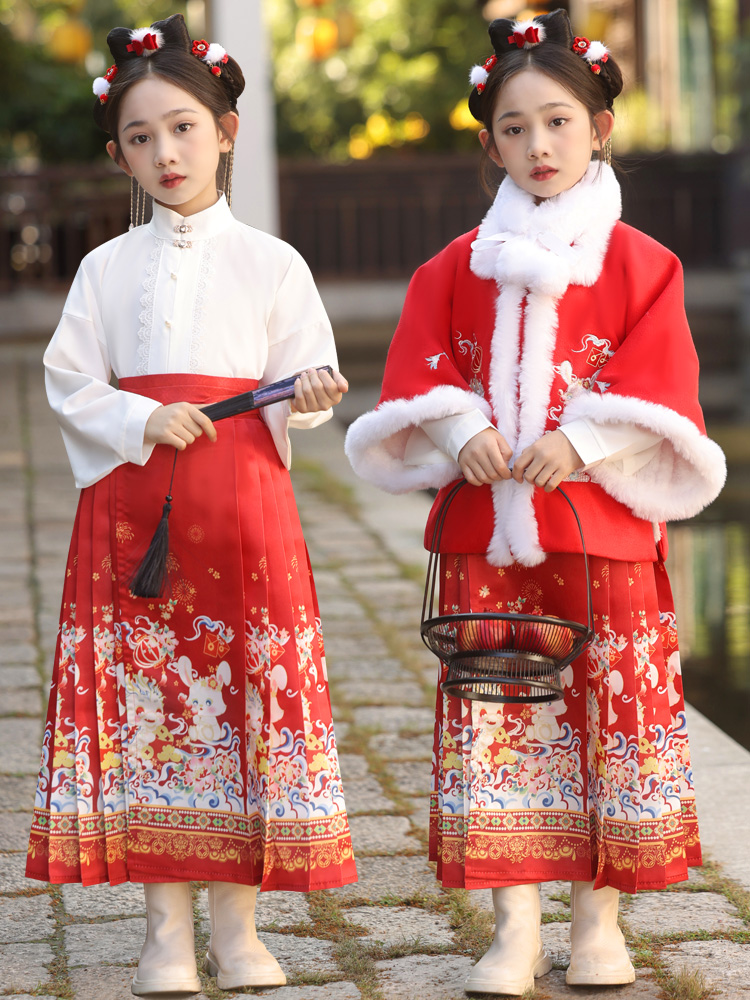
675,912
382,835
331,991
104,900
21,701
556,940
395,719
273,909
390,878
16,653
21,745
341,730
724,964
403,748
23,966
13,873
102,983
18,677
380,693
549,889
14,831
396,925
365,648
25,918
412,777
117,941
300,956
16,793
36,996
419,817
364,795
352,668
110,982
353,766
553,987
433,977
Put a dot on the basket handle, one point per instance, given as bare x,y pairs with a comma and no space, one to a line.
437,537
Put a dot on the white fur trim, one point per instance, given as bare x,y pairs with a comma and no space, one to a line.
138,34
538,251
100,86
477,75
523,27
214,54
686,474
376,441
596,52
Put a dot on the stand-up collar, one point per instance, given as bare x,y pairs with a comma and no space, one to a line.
169,225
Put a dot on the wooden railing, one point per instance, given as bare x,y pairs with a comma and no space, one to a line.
366,220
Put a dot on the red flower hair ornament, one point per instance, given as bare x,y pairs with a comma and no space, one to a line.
211,53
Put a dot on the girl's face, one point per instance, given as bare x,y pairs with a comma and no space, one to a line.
171,143
543,135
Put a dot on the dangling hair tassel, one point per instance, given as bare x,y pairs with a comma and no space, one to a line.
151,576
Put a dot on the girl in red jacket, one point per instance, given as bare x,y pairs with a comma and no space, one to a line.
550,345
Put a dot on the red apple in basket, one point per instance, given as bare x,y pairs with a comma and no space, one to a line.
553,641
484,633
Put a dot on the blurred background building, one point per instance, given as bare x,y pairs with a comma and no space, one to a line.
358,148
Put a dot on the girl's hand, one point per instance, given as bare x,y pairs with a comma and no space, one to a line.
178,424
484,458
547,462
314,391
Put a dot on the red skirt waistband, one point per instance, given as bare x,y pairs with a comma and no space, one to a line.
198,389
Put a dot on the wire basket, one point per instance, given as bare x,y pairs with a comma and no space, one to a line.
501,657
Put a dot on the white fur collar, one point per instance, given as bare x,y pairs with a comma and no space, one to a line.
546,247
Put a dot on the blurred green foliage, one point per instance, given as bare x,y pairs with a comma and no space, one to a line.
391,58
350,76
46,113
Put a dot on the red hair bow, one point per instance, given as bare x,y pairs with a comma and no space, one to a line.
520,38
138,47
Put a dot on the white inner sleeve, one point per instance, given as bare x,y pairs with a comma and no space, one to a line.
627,446
429,443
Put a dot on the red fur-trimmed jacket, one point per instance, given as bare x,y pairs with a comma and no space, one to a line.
544,315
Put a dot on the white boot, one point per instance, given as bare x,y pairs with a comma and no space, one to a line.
516,955
235,955
167,962
598,956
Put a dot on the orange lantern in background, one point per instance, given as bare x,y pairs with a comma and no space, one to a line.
317,37
70,42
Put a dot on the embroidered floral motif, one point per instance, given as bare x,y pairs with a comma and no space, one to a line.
469,346
433,361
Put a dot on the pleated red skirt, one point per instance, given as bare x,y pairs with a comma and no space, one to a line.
597,786
190,737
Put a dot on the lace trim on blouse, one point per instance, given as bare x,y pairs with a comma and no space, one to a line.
146,316
198,338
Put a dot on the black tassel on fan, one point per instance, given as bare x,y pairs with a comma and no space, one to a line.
150,579
151,576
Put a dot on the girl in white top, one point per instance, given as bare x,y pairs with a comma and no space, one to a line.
189,736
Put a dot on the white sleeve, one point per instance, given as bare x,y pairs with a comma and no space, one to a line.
299,337
429,443
627,446
102,427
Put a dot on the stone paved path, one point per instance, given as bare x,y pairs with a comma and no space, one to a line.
395,934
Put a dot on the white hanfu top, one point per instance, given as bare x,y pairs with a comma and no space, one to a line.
202,295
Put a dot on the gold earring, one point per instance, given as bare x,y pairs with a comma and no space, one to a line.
606,153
